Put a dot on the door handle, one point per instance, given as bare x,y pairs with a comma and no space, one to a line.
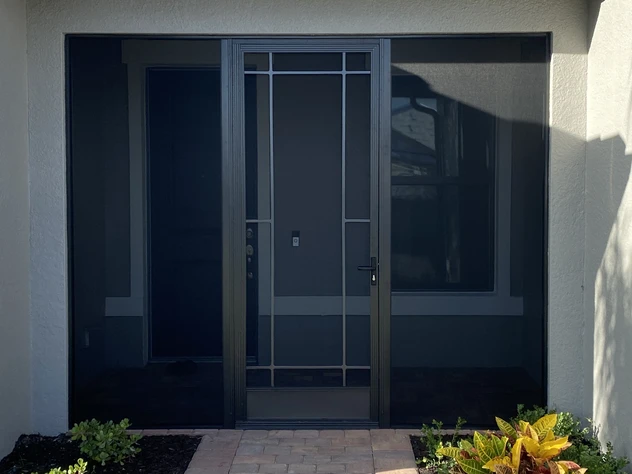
370,268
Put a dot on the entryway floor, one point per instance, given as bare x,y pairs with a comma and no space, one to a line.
302,452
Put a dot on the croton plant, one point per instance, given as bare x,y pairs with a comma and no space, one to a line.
520,449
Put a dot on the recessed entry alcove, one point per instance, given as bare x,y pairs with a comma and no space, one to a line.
306,231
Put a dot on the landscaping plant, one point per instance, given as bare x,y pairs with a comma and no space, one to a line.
106,442
79,468
523,448
433,440
586,449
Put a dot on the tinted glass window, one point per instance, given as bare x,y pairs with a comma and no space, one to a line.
146,239
468,193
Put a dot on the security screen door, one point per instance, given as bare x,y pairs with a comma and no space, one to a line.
308,110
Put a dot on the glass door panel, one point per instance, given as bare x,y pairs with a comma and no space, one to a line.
308,194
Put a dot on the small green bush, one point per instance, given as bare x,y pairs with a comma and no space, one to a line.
106,442
433,441
530,415
79,468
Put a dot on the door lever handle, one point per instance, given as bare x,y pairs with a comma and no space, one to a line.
370,268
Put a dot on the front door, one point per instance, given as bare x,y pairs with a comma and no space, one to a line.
309,118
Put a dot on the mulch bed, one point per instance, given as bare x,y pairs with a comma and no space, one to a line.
159,455
419,449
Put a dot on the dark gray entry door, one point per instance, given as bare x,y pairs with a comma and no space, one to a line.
309,115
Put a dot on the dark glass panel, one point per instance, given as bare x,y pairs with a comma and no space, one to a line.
307,61
257,132
358,147
468,185
259,378
358,377
154,357
314,339
256,62
442,238
358,61
258,294
308,378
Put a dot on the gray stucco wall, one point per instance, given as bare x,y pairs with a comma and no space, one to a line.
15,379
608,268
49,21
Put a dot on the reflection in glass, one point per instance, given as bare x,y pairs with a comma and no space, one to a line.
441,237
468,198
257,131
258,294
357,147
156,355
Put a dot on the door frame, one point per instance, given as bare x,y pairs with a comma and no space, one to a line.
234,212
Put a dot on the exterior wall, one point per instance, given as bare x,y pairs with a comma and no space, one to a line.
608,271
49,21
15,379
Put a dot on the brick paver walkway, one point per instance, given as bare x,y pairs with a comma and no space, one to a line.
304,452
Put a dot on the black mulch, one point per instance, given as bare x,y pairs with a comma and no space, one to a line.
159,455
420,450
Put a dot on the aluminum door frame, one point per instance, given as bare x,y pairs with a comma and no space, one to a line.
234,212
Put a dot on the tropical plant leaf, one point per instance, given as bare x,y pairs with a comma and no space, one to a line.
449,452
465,444
544,424
472,466
504,470
516,453
569,464
495,463
498,446
551,449
483,447
531,446
506,428
557,469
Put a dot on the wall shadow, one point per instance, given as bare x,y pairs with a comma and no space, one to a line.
608,336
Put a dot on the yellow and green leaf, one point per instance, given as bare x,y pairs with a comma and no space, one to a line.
472,466
466,445
557,468
545,424
506,428
449,452
550,449
495,463
498,446
516,453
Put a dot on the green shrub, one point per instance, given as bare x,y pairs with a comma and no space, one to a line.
79,468
106,442
433,441
531,415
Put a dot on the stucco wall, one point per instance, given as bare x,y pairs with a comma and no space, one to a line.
15,382
48,21
608,338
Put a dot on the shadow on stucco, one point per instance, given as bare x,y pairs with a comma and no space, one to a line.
608,203
608,337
